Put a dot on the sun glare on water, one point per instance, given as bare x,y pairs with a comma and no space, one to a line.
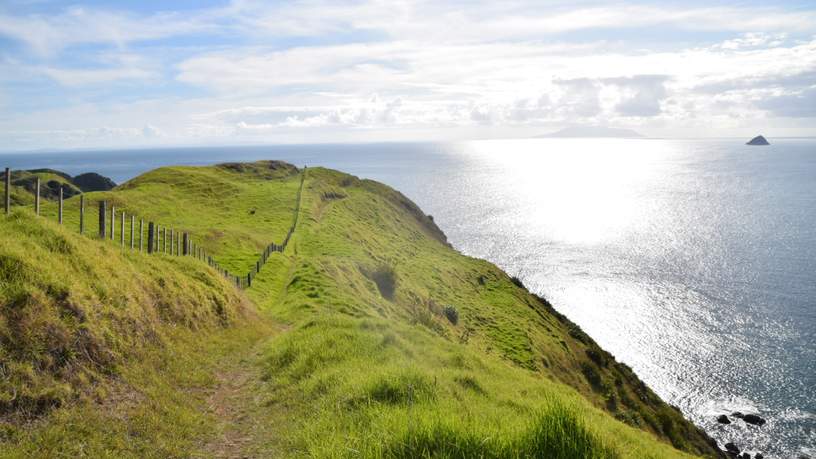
586,191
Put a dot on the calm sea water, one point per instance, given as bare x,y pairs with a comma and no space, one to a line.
692,261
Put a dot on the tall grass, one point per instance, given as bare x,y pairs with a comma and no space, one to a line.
554,432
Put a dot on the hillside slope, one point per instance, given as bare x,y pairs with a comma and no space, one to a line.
393,344
98,345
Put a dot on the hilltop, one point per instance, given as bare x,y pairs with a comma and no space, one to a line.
24,183
368,336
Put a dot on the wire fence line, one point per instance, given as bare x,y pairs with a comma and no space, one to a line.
160,238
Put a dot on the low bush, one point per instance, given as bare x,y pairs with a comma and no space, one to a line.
452,314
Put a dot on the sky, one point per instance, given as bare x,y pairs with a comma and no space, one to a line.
96,74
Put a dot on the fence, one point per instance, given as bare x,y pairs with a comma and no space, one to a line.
179,244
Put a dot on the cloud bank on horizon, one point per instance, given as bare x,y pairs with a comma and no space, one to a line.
112,74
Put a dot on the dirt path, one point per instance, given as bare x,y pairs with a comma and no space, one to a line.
243,425
236,406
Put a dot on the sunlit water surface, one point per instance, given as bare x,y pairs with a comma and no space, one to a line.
692,261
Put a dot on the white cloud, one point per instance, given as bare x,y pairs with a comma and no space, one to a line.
354,69
443,22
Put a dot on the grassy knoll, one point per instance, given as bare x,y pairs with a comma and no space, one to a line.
370,337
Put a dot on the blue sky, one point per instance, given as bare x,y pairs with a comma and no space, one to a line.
118,74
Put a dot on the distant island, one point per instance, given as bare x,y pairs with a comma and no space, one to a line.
594,132
758,140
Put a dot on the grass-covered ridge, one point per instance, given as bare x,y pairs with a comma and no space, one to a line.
392,343
87,332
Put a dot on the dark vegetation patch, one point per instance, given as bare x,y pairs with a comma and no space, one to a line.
452,314
470,383
51,181
385,279
592,376
517,282
91,181
261,169
48,190
598,356
332,195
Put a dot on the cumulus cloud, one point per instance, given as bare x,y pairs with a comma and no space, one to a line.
798,105
640,95
579,97
754,40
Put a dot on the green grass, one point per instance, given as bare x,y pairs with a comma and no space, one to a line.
98,346
368,364
232,212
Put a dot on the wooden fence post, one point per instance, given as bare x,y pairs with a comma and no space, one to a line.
151,237
122,232
113,222
37,197
132,230
141,234
7,199
185,245
102,209
249,279
60,205
81,214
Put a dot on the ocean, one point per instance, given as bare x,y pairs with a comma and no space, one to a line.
693,261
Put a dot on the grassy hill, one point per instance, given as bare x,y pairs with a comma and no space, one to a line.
23,184
369,337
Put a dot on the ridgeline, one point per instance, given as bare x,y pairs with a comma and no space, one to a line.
368,336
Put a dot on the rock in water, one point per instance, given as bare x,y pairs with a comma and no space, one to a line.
723,419
731,447
758,140
753,419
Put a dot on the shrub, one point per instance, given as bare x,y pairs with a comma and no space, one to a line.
591,375
452,314
597,356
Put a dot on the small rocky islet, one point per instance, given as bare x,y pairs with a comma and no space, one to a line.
758,140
